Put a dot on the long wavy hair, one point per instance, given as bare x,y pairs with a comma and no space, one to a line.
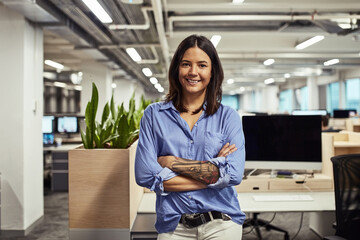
213,90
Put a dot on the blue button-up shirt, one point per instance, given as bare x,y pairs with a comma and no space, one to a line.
163,132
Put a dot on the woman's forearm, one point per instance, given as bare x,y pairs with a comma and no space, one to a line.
181,183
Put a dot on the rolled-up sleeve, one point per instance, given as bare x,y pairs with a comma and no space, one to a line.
148,172
231,168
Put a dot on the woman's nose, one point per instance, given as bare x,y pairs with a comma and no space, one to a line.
193,70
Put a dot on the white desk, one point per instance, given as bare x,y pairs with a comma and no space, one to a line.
323,201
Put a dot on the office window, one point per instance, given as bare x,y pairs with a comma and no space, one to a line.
332,96
231,101
285,102
352,94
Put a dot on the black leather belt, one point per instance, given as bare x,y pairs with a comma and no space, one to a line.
196,219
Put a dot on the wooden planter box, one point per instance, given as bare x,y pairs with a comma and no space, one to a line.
103,194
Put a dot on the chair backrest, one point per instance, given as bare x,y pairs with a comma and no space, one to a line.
347,195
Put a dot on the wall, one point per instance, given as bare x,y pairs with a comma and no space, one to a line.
21,101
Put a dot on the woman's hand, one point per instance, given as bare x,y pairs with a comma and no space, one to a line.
226,150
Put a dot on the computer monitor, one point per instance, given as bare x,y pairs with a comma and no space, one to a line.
67,124
48,124
48,139
321,112
344,113
281,142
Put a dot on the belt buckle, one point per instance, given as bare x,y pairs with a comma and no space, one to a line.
183,221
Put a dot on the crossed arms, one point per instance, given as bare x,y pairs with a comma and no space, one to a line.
194,175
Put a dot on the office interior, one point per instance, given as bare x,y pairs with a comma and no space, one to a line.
266,73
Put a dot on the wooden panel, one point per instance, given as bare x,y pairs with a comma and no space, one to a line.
327,142
318,183
253,184
136,192
99,188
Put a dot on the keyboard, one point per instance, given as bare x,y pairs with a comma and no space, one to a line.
283,198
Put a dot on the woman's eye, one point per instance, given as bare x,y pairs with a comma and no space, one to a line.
203,66
185,64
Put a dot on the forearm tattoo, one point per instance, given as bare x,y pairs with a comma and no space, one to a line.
202,171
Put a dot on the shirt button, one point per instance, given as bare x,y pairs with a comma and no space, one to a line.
189,197
191,141
195,124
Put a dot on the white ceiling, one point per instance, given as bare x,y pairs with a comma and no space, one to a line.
251,33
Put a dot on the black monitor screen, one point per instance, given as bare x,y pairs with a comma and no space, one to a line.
67,125
282,138
344,113
48,124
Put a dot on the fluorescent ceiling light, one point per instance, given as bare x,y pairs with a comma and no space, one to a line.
309,42
54,64
215,39
237,1
269,62
98,10
242,89
230,81
147,72
78,88
269,81
331,62
287,75
133,54
113,85
153,80
60,84
157,85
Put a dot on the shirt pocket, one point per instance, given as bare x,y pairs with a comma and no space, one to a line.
213,143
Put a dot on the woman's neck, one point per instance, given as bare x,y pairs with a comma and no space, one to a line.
192,102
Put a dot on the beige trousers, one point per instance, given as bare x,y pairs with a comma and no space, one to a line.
216,229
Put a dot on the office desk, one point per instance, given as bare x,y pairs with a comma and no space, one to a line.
323,201
323,207
56,163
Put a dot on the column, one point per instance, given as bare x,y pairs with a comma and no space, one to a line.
21,103
313,93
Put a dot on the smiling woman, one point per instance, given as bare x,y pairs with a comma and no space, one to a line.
191,150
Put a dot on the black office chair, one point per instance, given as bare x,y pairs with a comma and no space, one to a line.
347,196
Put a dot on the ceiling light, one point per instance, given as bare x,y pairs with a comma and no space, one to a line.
160,89
147,72
132,1
113,85
269,81
237,1
153,80
54,64
98,10
269,61
157,85
60,84
309,42
215,39
331,62
287,75
242,89
133,54
230,81
78,88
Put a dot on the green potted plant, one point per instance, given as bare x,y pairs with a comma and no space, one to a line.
103,194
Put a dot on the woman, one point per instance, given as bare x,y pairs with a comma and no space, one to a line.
191,150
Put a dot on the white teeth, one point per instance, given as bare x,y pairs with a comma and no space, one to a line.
193,81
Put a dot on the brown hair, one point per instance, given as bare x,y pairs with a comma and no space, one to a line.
213,90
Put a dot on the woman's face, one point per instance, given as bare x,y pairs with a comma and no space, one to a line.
195,71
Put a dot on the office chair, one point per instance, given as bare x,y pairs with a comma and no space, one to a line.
256,223
346,170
